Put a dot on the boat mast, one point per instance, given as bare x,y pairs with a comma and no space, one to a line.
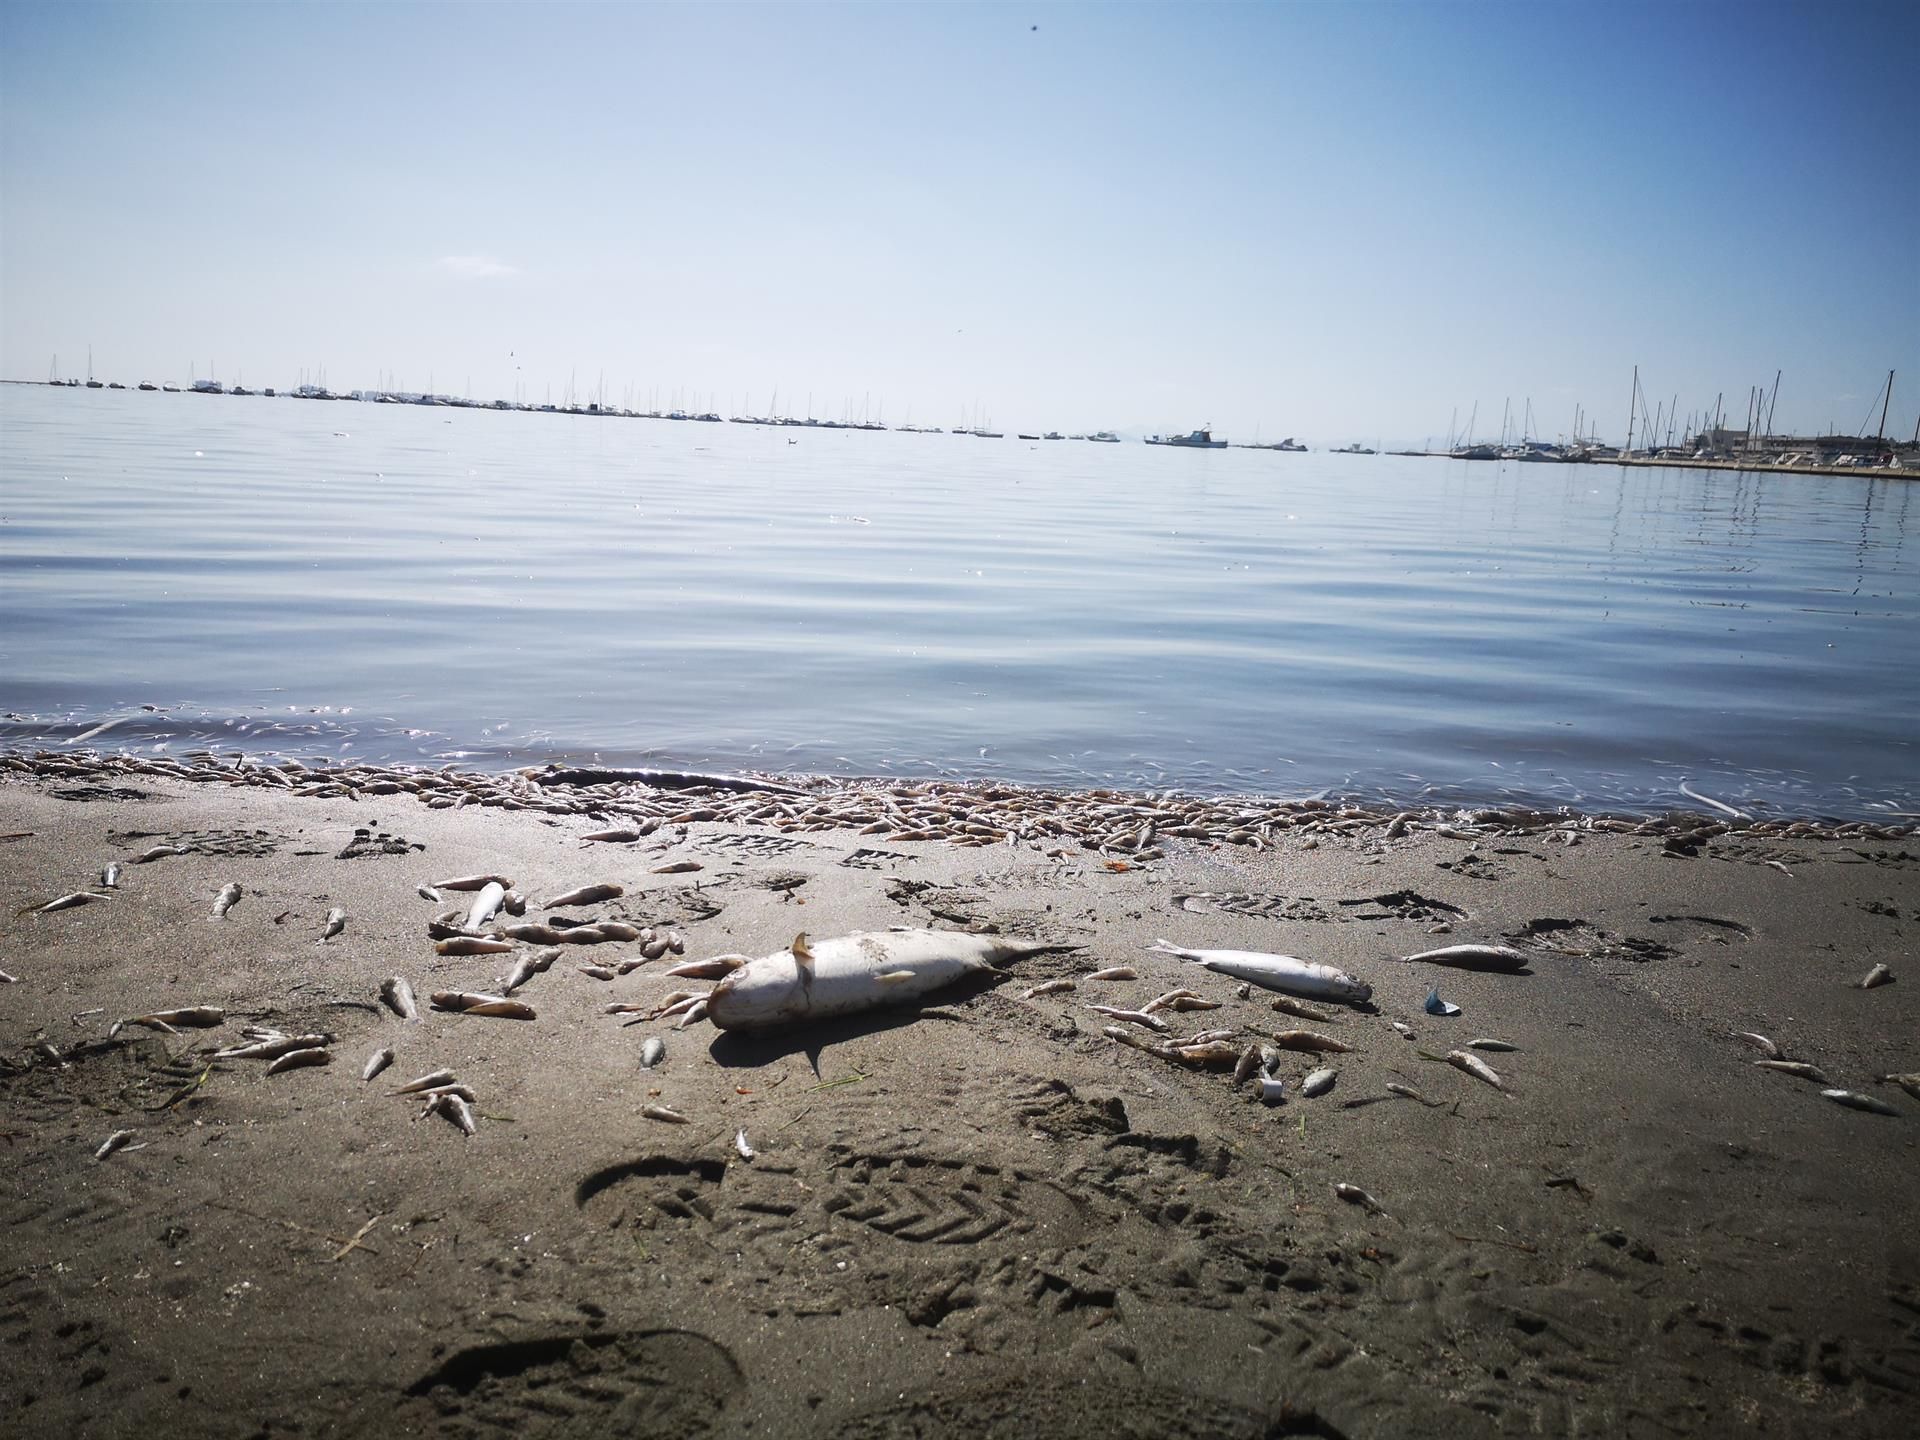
1632,399
1773,400
1880,434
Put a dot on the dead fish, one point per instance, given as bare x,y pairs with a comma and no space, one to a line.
1050,987
376,1062
468,1002
300,1059
1273,1089
1133,1017
1245,992
226,900
1136,1040
740,1144
1476,1067
617,930
273,1048
1909,1082
533,933
399,997
708,969
662,1113
1216,1053
586,895
110,877
1115,972
1854,1100
451,1088
1879,975
613,837
528,966
581,935
116,1141
1406,1030
159,852
1475,957
1310,1040
1794,1067
678,867
1490,1045
201,1017
336,922
455,1108
623,1007
1180,1004
472,882
1248,1062
1207,1037
1407,1092
471,945
694,1013
676,942
595,972
1271,1059
1354,1195
655,948
1437,1006
6,979
1760,1043
514,903
1318,1083
1287,1005
67,902
486,904
427,892
426,1082
653,1052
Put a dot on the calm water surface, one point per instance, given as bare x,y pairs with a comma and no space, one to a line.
402,583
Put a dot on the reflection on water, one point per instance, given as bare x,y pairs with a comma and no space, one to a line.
420,584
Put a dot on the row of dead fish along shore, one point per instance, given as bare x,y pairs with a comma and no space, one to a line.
1129,825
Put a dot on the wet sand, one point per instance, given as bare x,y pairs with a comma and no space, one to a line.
980,1217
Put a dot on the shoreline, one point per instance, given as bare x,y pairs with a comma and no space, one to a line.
999,811
981,1216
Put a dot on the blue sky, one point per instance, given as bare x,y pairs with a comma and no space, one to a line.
1334,220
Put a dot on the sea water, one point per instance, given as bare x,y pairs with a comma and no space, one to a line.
434,585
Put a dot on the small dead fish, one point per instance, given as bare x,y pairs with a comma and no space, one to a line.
617,930
581,935
1909,1082
1207,1037
472,882
1049,987
1248,1062
1407,1092
300,1059
661,1112
468,1002
694,1013
1287,1005
426,1082
1318,1083
1115,972
110,877
527,966
202,1017
595,972
1437,1006
376,1062
471,945
336,922
67,902
427,892
450,1088
1794,1067
158,852
1354,1195
712,969
623,1007
678,867
399,997
1245,992
1406,1030
1271,1059
1498,1045
455,1108
1180,1004
1760,1043
1138,1041
740,1144
486,904
586,895
273,1048
653,1052
1310,1040
1133,1017
613,837
1218,1054
1879,975
116,1141
1476,1067
533,933
226,900
1854,1100
1475,957
514,903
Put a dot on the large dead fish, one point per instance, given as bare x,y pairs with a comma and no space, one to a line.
1276,972
867,970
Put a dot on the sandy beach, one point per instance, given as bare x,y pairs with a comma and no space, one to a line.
980,1216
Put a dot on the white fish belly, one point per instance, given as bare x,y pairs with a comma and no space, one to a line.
848,974
1286,973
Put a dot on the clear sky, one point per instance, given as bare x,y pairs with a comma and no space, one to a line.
1339,221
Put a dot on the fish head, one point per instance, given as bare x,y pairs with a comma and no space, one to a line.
1358,991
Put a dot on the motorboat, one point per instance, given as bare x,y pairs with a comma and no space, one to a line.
1192,440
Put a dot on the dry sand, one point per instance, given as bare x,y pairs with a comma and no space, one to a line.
981,1218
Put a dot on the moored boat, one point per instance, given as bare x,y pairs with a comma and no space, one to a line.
1193,440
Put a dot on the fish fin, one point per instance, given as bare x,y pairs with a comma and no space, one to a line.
1162,947
894,977
801,951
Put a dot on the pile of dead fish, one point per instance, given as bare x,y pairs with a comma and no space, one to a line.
1130,826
